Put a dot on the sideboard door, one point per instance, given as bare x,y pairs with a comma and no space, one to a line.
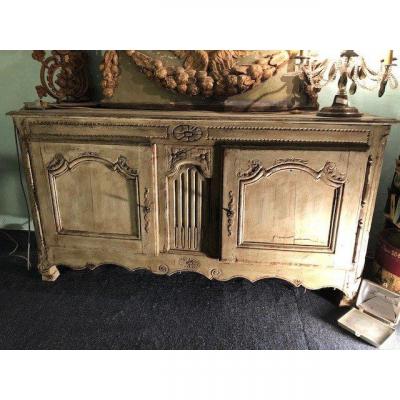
289,207
94,196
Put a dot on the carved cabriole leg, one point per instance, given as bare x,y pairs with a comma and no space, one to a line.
49,272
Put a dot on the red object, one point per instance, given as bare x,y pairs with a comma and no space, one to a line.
388,251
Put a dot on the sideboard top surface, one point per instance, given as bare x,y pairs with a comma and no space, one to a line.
222,116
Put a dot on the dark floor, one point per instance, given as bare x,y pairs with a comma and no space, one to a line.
111,308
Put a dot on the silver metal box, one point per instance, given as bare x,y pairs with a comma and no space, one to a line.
376,314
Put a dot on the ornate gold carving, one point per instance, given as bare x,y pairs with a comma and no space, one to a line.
187,133
229,213
63,75
146,210
110,71
209,73
190,263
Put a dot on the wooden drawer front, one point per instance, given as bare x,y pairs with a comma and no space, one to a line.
291,206
89,193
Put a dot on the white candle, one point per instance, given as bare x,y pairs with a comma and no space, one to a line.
389,58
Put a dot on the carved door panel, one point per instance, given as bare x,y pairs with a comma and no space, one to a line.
96,195
185,173
292,207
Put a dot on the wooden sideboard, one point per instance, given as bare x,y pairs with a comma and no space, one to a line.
227,195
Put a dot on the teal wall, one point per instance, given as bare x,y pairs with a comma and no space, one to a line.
19,74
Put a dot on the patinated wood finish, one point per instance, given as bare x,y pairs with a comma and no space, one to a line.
225,195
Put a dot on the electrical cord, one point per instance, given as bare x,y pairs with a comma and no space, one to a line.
28,256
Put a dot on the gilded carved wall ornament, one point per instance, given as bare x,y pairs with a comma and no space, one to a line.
63,75
206,73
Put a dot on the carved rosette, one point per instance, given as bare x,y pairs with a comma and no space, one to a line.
187,133
206,73
63,75
163,269
215,273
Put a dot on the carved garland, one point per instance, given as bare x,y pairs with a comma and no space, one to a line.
204,73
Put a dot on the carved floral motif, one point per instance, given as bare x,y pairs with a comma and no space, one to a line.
200,155
190,263
187,133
